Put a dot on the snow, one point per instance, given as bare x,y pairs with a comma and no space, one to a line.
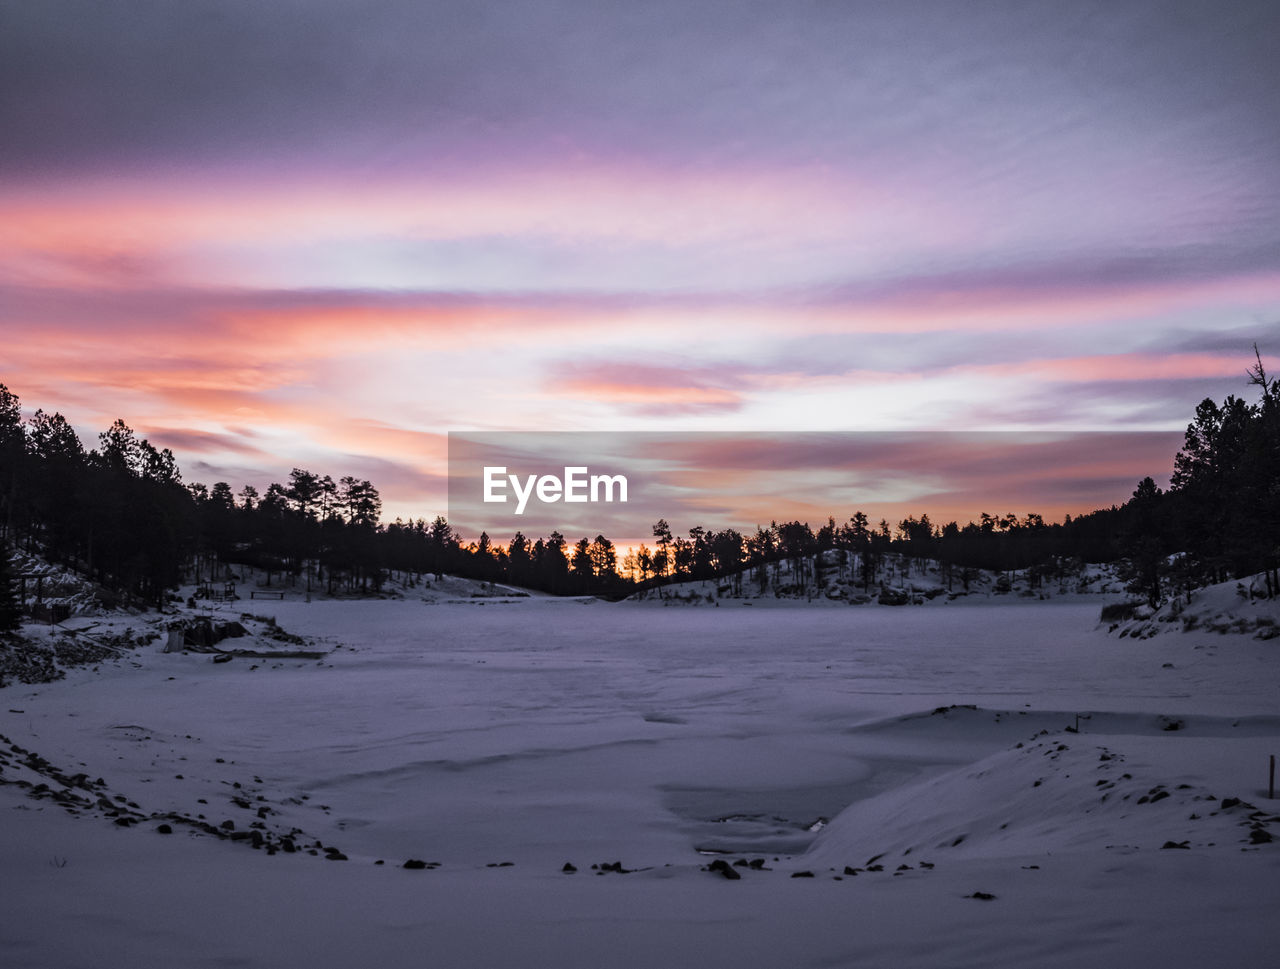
534,731
1236,606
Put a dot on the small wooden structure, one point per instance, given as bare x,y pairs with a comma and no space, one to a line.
22,588
52,612
210,592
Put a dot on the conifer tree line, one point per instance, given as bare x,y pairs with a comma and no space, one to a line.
1220,518
121,513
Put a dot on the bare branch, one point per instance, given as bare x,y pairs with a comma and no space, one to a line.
1258,374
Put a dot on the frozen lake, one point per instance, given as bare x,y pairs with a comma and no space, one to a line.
534,733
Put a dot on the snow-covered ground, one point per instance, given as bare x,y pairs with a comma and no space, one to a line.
911,761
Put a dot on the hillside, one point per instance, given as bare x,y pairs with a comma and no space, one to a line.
835,577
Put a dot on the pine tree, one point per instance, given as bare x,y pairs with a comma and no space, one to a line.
1142,542
583,567
10,606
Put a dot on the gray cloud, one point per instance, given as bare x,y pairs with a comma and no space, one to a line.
1237,340
1109,403
919,84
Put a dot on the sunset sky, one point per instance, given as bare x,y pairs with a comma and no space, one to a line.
327,233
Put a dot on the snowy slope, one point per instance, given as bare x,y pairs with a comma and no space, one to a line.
834,578
1237,606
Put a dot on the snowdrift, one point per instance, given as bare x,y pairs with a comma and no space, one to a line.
1117,782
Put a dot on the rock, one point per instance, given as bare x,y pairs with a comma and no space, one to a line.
164,829
723,868
982,896
1176,844
415,864
569,867
1259,836
802,874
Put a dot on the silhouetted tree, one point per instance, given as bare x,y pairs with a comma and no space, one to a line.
519,560
554,564
604,562
10,606
662,555
12,455
582,565
1142,542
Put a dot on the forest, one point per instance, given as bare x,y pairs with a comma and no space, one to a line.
121,514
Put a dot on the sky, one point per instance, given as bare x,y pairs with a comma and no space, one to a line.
326,234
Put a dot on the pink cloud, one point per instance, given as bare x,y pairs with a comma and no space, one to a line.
647,389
